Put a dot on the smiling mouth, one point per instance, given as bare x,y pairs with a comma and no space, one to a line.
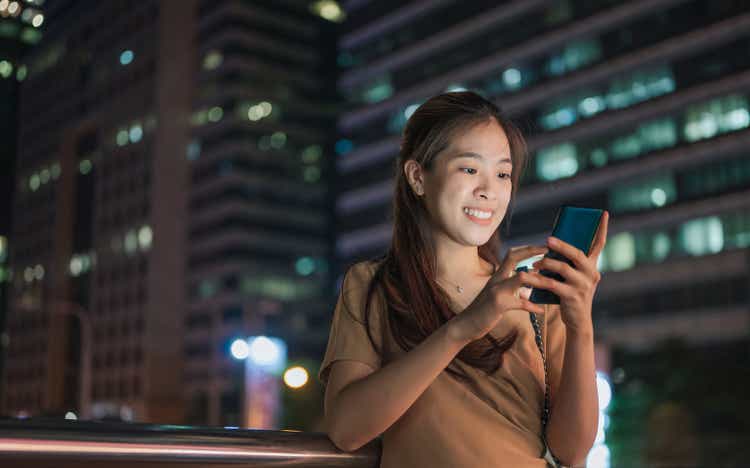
479,216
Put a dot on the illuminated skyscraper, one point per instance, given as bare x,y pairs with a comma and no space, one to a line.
638,107
20,28
172,190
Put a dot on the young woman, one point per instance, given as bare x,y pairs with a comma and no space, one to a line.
434,345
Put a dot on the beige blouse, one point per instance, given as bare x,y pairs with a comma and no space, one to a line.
492,421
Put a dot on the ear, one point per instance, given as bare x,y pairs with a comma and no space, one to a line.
415,176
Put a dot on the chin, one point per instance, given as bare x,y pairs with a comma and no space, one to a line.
478,240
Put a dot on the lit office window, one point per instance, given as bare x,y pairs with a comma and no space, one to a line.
623,92
213,60
278,140
199,117
329,10
6,69
194,150
122,137
574,56
215,114
658,134
126,57
379,90
620,252
661,245
654,192
208,288
560,115
737,230
277,287
255,112
312,174
640,86
145,237
702,236
715,117
131,242
557,162
305,266
312,154
34,182
343,146
136,133
85,166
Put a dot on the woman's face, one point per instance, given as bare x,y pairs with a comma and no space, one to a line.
473,173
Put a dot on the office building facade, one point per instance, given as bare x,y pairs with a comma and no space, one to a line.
640,108
159,205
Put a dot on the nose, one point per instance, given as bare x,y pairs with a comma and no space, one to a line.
486,191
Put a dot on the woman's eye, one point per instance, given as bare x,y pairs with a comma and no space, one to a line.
469,169
504,175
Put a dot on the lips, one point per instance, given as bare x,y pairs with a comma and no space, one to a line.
480,221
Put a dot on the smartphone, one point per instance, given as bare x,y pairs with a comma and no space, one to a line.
576,226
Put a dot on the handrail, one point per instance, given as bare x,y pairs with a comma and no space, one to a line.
25,443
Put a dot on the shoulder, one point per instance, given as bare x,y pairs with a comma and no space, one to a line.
359,274
356,283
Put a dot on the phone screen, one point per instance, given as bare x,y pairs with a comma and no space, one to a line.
576,226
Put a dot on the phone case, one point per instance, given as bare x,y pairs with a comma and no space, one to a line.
576,226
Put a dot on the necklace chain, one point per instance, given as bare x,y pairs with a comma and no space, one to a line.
545,410
459,288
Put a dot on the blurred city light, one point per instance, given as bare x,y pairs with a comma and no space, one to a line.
264,351
239,349
598,457
328,9
71,416
295,377
126,57
604,390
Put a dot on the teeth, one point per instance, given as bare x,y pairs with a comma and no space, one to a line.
477,213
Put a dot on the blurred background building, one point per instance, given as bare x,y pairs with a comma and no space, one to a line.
20,28
171,195
191,172
637,107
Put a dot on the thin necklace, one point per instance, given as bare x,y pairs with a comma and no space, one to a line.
459,288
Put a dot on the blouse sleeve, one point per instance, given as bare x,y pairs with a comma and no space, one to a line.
348,339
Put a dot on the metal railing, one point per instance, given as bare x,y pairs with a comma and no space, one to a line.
60,444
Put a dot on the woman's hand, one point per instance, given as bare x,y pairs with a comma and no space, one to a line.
577,292
501,293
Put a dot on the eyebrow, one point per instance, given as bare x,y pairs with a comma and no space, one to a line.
470,154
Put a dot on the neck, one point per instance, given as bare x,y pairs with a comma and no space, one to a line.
460,264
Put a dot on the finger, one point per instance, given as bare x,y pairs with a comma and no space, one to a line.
532,307
601,236
579,259
571,275
537,280
516,254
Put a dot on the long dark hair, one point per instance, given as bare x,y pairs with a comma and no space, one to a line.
416,304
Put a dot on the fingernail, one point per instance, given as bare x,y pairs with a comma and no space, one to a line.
551,240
